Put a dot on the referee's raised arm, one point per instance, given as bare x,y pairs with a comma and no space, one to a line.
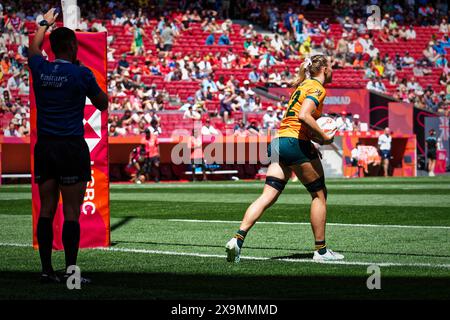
36,43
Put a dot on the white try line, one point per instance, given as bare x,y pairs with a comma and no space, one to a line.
307,224
205,255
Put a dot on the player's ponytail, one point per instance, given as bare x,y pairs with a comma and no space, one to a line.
302,73
311,67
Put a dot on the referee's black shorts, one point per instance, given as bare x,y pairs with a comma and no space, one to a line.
65,159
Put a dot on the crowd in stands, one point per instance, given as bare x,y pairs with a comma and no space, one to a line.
228,77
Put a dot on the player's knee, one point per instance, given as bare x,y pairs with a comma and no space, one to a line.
276,183
316,186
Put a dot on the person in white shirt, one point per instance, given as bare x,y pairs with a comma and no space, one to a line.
410,33
343,123
407,60
356,153
379,85
205,66
190,113
270,119
253,50
11,131
372,51
371,85
356,123
13,81
384,144
246,88
208,129
277,43
24,87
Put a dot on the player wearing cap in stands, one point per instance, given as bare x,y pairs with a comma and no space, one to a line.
343,123
61,155
292,151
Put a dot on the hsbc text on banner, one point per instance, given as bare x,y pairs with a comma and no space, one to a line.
95,215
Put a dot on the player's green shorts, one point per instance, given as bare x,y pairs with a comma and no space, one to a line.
290,151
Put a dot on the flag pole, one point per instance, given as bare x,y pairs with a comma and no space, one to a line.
71,14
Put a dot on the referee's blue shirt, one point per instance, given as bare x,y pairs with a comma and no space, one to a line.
61,88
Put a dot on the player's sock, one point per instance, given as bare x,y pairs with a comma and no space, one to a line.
45,241
240,236
321,247
71,241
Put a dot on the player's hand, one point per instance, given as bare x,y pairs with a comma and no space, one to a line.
51,16
328,139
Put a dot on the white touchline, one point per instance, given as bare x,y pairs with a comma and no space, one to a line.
205,255
307,223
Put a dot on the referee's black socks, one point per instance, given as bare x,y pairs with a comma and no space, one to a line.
71,241
45,241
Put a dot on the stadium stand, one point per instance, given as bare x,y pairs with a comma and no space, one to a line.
162,80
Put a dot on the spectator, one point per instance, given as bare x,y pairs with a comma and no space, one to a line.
13,81
224,39
267,60
441,61
210,40
192,113
226,105
430,102
11,131
254,76
379,85
270,120
167,36
356,123
253,128
189,103
343,123
155,128
123,64
209,83
240,130
410,33
208,129
407,60
24,88
253,50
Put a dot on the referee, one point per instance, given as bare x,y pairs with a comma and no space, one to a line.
61,155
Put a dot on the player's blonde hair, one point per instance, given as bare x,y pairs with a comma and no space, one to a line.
311,67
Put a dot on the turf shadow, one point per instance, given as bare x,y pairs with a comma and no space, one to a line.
166,285
295,256
200,245
123,221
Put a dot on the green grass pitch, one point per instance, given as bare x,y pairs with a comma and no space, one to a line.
168,243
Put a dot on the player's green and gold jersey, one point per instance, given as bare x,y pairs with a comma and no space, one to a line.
290,125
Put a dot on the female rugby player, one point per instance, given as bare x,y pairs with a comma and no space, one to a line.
292,150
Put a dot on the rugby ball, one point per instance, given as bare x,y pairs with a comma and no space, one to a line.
328,125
